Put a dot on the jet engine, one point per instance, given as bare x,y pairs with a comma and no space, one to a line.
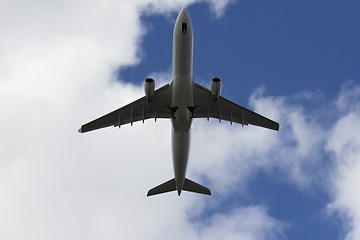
149,87
216,87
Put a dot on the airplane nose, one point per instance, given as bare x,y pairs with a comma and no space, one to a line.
183,10
183,13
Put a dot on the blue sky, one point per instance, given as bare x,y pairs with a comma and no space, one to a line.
63,64
288,46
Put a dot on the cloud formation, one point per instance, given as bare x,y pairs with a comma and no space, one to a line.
58,63
57,69
344,145
316,150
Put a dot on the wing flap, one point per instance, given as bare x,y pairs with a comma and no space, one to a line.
139,110
206,106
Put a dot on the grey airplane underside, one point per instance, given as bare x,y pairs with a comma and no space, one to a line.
181,101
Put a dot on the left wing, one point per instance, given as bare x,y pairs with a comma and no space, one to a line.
139,110
206,106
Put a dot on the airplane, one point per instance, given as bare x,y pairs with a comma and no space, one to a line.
181,101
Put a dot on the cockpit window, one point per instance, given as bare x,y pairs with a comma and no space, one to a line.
184,27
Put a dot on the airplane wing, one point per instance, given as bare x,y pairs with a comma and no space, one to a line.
139,110
206,106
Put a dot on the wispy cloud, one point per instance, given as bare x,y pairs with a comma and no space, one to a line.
258,225
316,150
218,8
344,144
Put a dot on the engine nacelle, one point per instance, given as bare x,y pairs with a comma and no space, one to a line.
216,87
149,87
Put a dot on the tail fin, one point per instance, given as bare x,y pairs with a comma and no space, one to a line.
171,186
195,187
163,188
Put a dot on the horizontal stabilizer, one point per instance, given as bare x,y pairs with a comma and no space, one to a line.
163,188
195,187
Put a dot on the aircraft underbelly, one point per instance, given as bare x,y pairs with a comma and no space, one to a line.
181,123
182,96
180,152
183,54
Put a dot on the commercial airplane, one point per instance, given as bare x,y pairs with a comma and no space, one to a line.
181,100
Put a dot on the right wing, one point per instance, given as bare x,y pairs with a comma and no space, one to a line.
206,106
139,110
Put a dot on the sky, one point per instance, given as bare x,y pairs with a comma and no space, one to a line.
64,63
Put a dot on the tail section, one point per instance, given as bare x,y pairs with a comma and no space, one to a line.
170,185
163,188
191,186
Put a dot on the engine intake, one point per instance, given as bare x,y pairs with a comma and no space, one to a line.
216,87
149,87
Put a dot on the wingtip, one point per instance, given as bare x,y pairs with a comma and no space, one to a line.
80,130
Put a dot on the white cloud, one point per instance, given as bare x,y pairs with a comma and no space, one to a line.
303,150
295,150
258,225
344,144
57,63
57,66
349,98
218,7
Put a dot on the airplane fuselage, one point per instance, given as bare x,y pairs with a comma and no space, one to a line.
182,96
181,101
